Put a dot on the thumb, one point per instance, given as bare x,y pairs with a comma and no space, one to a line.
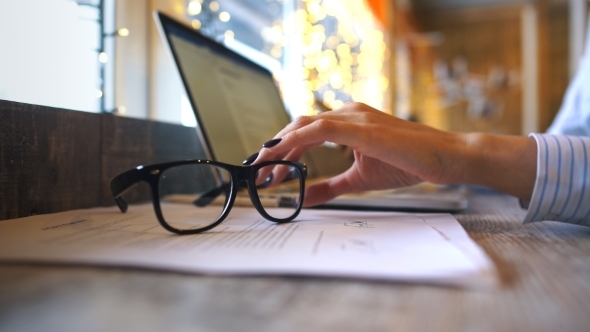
328,189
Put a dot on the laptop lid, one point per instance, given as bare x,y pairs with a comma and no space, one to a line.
236,102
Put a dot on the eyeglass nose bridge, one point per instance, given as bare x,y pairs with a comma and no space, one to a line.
243,174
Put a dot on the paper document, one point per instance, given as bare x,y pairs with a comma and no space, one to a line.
428,248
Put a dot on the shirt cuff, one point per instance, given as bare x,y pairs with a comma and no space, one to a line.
562,186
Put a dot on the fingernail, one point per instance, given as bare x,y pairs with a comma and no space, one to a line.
250,159
266,182
271,143
269,179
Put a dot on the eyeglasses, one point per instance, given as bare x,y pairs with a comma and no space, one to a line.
215,185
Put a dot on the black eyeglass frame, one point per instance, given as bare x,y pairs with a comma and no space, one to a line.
239,174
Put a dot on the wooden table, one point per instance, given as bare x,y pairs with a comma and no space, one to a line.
544,268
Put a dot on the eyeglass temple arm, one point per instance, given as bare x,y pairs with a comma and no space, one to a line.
123,182
210,195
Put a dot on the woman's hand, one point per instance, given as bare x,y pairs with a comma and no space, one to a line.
389,152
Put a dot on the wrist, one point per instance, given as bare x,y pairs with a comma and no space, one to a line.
502,162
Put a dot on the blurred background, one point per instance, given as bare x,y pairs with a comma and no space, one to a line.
499,66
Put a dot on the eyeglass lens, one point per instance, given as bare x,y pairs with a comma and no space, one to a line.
199,185
278,187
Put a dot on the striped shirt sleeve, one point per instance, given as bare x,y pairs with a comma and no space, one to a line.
562,187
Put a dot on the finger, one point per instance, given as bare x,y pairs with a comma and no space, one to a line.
292,155
318,132
282,171
331,188
341,114
279,172
272,175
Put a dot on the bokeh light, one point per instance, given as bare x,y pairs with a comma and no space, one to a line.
331,51
343,52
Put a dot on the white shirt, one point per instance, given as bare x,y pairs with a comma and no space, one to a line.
562,187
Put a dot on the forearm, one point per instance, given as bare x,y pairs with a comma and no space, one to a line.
502,162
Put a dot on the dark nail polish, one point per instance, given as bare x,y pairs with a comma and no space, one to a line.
250,159
266,182
272,142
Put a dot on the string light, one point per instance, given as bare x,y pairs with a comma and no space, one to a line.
224,17
196,24
123,32
103,57
204,15
194,8
229,36
214,6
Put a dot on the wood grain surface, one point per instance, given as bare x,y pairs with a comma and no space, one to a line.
544,268
49,160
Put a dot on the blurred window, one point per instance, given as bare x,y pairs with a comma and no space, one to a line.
50,53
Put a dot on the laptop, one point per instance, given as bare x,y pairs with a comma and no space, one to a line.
238,107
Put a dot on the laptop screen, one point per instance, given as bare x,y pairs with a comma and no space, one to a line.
236,102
